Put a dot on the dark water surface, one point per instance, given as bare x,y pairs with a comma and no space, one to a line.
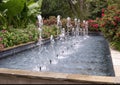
76,55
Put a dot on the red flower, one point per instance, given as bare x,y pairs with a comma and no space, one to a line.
95,25
117,18
103,14
103,10
3,31
90,21
0,39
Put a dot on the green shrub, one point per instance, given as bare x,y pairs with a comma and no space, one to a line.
110,25
110,21
16,36
49,30
115,45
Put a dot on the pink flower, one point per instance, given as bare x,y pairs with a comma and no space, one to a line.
117,18
114,23
103,14
103,10
95,25
3,31
1,46
1,39
90,21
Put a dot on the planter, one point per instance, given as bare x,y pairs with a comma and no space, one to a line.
23,76
22,47
19,48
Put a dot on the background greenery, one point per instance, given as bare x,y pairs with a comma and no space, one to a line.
18,13
14,36
18,18
18,22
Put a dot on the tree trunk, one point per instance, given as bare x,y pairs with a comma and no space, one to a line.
72,7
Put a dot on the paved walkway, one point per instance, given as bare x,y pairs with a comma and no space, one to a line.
116,61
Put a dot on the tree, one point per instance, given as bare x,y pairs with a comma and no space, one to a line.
95,7
80,8
65,8
55,7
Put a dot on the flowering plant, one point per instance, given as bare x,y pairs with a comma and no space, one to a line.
14,36
93,25
51,21
110,24
49,30
110,21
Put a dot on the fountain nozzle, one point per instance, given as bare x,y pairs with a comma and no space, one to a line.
40,68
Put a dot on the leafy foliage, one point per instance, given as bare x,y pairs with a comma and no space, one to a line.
55,7
110,24
17,19
13,36
14,7
95,7
49,30
19,12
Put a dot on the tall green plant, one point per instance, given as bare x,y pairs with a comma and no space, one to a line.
34,9
3,20
20,12
14,8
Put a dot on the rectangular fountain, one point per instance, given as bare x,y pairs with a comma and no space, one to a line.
75,60
76,55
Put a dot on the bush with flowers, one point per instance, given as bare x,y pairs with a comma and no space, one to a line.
50,30
110,24
14,36
51,21
93,25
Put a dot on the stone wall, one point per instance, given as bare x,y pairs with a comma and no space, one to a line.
10,76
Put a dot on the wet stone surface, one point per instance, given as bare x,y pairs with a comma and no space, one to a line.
76,55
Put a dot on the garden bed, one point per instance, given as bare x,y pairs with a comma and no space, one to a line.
22,47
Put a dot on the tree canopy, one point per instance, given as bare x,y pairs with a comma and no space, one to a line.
82,9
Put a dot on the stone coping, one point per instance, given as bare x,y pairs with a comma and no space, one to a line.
43,40
17,46
21,47
116,61
15,49
74,78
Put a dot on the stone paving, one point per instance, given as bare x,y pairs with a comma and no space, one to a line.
116,61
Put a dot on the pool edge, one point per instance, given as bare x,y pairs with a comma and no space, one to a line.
51,77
